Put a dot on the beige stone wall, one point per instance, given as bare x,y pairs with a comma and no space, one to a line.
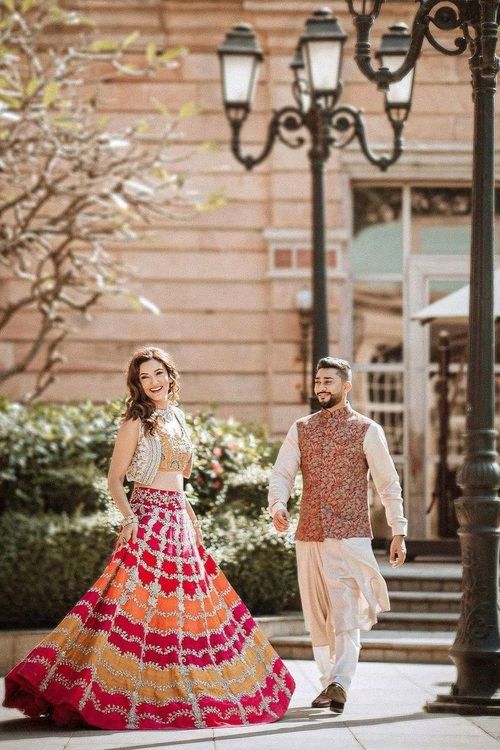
228,319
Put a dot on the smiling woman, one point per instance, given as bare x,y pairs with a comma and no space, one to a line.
154,428
161,640
154,381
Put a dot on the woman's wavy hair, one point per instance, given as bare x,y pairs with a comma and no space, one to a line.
138,405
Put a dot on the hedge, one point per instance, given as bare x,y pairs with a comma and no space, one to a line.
56,518
47,562
54,457
259,562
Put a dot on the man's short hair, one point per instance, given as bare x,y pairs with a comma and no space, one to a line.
341,365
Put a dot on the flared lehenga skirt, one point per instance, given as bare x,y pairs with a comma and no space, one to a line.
160,641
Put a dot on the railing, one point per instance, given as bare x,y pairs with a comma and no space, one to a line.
379,393
457,406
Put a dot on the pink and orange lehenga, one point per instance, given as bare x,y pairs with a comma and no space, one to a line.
160,641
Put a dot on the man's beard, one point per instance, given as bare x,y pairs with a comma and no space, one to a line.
335,398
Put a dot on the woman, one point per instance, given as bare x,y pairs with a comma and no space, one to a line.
161,640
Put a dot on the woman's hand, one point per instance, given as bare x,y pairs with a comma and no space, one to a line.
127,533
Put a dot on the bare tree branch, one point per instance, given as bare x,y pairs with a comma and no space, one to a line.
68,183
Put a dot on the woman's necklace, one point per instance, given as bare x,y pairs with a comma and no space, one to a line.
165,416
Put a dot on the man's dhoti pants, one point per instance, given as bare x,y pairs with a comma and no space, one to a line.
342,591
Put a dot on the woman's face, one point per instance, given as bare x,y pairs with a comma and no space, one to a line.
153,377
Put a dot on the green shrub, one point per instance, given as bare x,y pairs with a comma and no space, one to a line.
82,490
259,563
224,448
46,564
246,492
54,457
56,540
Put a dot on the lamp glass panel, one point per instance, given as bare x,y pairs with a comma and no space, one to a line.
364,7
322,61
303,300
399,93
305,97
239,76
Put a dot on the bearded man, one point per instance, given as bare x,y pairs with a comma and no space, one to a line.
341,587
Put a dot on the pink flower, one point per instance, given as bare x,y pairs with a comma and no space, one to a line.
217,468
217,452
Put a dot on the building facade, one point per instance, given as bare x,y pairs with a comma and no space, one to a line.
227,282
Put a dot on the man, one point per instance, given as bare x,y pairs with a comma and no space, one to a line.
341,587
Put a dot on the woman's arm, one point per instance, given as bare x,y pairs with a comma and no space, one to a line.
125,445
195,522
188,467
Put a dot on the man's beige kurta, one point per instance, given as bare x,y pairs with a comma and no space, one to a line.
336,452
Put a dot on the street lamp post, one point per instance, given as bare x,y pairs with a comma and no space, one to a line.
316,89
476,650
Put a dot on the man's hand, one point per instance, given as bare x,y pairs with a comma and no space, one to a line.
281,520
398,551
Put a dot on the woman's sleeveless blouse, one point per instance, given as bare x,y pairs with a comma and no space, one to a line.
169,448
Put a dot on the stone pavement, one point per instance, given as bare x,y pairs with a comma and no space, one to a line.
384,713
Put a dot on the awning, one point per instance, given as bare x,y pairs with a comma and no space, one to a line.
455,306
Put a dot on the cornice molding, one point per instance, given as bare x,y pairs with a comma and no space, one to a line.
298,236
419,161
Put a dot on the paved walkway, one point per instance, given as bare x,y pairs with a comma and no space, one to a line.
384,713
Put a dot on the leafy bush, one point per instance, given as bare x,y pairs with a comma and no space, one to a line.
224,449
246,492
46,563
53,460
54,457
259,563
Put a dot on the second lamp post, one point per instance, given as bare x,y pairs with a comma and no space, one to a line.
316,90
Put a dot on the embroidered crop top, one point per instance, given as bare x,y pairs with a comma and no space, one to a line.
176,446
169,448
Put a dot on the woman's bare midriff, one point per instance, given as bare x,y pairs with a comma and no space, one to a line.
166,480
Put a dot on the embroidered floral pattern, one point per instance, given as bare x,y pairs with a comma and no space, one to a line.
146,458
160,641
334,501
176,447
165,450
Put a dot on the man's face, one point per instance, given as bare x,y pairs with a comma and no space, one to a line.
329,387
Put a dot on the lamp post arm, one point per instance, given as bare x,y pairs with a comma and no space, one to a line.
283,121
454,15
350,121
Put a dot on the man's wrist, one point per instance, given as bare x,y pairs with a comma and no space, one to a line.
276,506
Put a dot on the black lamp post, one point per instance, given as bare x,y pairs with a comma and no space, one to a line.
476,650
316,89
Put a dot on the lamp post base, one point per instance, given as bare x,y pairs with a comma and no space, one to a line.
464,704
